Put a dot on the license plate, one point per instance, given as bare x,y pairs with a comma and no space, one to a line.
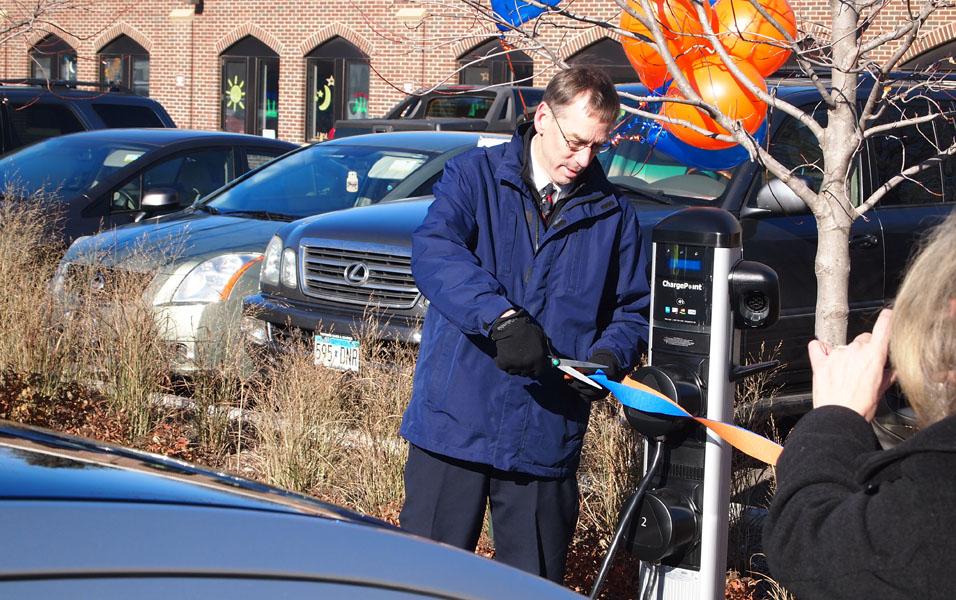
337,352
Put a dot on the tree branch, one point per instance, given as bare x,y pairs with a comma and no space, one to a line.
877,129
904,175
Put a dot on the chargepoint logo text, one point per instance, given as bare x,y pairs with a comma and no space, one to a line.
683,285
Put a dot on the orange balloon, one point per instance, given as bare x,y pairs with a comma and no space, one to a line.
681,30
716,86
747,35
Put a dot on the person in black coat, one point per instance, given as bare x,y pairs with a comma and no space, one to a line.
849,520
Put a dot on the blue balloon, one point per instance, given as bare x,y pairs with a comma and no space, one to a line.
516,12
654,134
712,160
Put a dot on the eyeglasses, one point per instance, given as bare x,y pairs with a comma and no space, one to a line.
575,147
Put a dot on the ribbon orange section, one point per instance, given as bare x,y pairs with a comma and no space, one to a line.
742,439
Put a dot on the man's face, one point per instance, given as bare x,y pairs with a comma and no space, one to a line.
570,137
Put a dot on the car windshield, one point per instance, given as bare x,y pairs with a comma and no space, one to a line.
65,165
638,166
321,178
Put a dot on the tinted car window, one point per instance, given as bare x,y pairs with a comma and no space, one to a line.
471,107
34,122
256,157
322,178
191,175
67,164
527,99
905,147
796,148
121,115
404,109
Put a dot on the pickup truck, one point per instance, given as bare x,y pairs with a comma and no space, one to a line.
778,230
451,108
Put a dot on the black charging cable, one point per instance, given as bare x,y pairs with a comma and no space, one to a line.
629,511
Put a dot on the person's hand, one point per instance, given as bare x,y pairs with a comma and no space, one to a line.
614,372
522,348
854,376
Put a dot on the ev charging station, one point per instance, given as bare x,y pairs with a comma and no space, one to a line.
676,522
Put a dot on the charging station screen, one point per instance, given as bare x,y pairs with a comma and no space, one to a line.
682,287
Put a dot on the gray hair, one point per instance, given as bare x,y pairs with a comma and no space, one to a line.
923,338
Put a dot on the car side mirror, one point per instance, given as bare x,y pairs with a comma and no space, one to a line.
779,200
159,198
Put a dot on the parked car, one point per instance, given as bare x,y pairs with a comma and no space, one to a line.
102,179
337,268
36,109
197,290
451,108
85,519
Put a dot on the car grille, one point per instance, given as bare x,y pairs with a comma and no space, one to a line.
359,274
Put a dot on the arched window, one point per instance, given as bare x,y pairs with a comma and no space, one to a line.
337,76
607,55
126,63
250,88
487,64
940,58
52,58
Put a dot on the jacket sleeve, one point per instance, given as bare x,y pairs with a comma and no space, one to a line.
444,263
627,332
830,533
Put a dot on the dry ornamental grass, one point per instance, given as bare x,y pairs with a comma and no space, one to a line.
97,364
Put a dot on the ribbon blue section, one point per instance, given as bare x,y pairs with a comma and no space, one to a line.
638,399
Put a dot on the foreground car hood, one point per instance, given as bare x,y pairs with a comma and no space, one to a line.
389,223
155,244
86,519
37,463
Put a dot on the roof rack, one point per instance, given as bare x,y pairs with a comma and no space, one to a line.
109,86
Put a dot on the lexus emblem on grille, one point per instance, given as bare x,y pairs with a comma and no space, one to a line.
356,273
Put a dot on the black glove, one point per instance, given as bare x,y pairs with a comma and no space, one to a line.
613,371
521,344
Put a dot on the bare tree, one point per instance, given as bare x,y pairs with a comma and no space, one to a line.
22,19
853,70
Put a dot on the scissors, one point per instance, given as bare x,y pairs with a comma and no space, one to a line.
571,368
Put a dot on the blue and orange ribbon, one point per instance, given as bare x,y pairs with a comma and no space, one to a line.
646,399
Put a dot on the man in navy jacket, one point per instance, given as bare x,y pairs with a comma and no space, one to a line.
526,253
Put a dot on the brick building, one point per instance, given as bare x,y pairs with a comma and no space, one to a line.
288,68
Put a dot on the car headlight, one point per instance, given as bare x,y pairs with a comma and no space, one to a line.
287,275
270,263
213,280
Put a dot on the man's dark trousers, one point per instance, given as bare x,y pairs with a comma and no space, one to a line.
533,518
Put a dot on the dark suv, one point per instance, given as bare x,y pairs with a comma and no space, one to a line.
35,109
331,251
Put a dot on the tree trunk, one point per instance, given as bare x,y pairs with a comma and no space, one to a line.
832,267
833,210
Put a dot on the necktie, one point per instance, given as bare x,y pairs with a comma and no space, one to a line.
547,199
